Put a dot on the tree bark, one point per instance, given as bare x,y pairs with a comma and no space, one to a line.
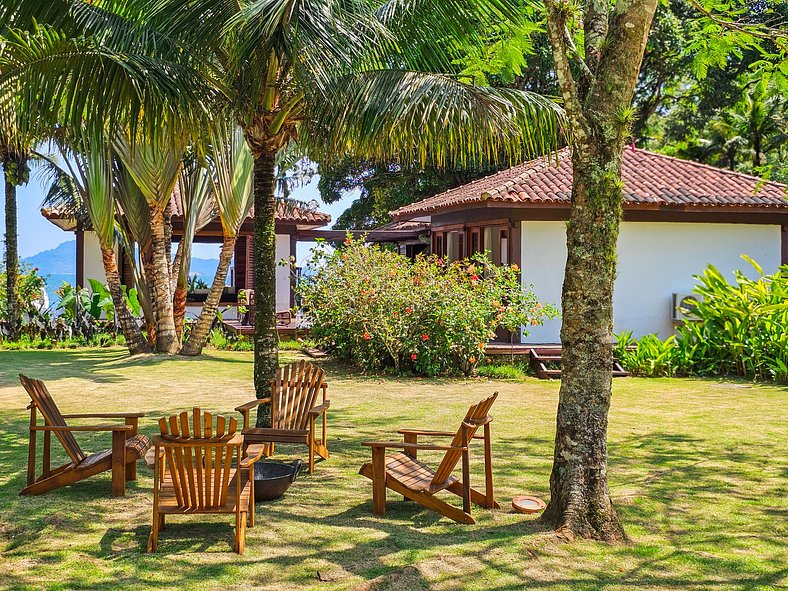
166,337
580,502
128,324
199,334
266,341
597,93
13,313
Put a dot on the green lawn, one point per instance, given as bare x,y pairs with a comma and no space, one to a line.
698,469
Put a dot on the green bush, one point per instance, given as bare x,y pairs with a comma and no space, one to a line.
376,308
741,329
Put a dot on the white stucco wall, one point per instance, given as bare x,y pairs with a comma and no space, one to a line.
655,260
94,265
282,273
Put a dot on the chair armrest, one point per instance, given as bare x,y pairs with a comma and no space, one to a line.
254,452
83,428
400,445
320,409
252,404
106,415
429,433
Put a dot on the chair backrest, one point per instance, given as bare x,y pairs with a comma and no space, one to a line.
199,457
476,416
293,394
42,399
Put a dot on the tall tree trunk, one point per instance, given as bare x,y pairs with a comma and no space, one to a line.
579,497
199,334
597,94
128,324
179,291
266,341
13,312
166,337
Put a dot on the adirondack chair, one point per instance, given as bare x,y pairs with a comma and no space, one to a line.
128,446
293,411
193,472
403,473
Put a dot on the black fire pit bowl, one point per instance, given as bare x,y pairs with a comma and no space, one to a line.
272,479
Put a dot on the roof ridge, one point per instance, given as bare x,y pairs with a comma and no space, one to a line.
717,169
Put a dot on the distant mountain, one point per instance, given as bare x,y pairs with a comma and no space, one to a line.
60,264
205,269
61,260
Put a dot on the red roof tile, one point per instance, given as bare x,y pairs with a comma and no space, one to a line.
649,179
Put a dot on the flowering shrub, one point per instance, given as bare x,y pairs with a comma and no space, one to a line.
376,308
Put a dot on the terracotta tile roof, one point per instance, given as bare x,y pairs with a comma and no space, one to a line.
649,179
299,215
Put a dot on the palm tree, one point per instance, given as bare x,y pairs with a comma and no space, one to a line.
230,161
87,160
334,75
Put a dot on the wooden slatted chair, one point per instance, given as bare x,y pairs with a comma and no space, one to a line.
194,472
293,411
127,445
402,472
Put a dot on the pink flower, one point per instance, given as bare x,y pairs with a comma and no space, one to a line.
413,357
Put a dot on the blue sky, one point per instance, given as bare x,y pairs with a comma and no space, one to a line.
37,234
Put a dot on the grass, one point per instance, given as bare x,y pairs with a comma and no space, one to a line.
697,469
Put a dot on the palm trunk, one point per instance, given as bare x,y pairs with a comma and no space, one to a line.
179,291
201,330
166,337
13,313
580,502
266,342
128,324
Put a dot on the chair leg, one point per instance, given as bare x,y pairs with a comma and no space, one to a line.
131,471
488,477
379,481
251,497
153,538
311,444
161,521
240,533
118,463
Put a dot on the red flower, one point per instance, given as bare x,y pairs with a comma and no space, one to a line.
474,277
471,360
367,336
413,357
424,337
408,310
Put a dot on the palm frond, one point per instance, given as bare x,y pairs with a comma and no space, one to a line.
430,118
195,195
231,164
57,80
153,162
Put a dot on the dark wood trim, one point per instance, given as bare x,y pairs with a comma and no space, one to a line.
540,212
80,235
293,247
784,245
239,262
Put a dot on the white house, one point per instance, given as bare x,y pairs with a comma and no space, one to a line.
678,217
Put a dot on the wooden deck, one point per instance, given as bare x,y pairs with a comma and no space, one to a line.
545,359
292,330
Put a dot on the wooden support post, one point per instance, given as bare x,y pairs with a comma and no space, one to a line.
466,472
379,480
118,463
488,477
411,438
47,459
311,443
31,449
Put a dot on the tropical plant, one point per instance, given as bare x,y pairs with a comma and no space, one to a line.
334,75
376,308
230,164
